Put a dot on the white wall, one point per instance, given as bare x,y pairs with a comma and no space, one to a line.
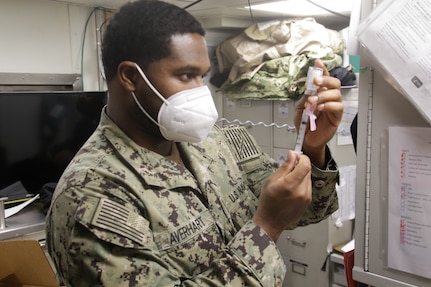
42,36
45,36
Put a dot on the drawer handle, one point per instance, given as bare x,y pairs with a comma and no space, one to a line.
298,267
300,243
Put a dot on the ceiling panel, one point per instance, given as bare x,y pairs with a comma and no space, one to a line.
226,13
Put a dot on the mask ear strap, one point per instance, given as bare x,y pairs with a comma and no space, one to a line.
150,85
144,111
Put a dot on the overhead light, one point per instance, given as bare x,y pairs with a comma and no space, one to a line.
305,7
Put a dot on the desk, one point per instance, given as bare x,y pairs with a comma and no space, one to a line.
29,223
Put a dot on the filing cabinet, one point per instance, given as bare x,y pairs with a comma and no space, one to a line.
283,114
306,252
270,122
251,113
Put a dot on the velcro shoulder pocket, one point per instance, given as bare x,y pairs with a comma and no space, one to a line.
243,146
114,222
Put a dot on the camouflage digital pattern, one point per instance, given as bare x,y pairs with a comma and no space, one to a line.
244,53
279,79
269,60
125,216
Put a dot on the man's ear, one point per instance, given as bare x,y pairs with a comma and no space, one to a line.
127,75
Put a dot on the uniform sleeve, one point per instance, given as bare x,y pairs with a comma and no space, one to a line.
100,251
324,200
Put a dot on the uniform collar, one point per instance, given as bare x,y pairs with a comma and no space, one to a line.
151,167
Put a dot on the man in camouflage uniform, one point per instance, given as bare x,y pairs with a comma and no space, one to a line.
136,209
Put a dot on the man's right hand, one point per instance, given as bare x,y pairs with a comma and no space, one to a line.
285,196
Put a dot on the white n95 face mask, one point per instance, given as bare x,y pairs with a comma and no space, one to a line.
186,116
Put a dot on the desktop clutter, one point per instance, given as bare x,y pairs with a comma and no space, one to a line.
23,260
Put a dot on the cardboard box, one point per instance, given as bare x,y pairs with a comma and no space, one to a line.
24,263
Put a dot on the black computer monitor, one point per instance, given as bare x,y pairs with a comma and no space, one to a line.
40,132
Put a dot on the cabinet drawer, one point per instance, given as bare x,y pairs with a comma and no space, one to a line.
304,272
283,113
304,242
255,112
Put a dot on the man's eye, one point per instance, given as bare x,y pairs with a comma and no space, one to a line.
187,76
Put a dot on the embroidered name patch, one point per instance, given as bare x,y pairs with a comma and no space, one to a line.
184,232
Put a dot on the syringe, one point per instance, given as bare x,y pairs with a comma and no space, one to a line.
301,132
311,89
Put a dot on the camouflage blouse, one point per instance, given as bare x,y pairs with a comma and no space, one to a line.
125,216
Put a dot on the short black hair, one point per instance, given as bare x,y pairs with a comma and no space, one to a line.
141,32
